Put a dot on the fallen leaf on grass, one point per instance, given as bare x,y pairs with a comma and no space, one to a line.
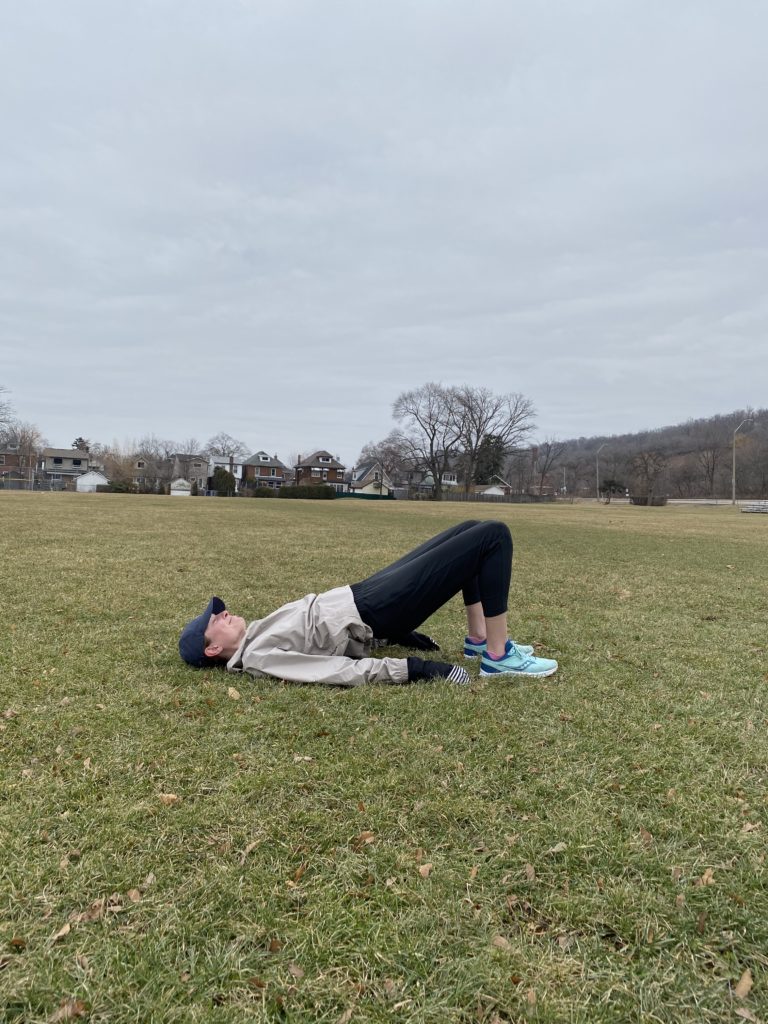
232,693
301,757
425,870
473,872
677,873
149,880
346,1017
646,837
365,838
249,849
500,942
134,895
69,1009
275,945
743,986
746,1014
93,913
558,848
708,878
168,799
295,971
10,713
750,826
530,872
62,933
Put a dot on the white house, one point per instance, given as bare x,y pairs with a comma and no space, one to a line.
88,482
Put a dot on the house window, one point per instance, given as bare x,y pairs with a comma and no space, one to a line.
57,461
315,472
264,458
273,472
2,460
325,458
140,464
77,462
376,475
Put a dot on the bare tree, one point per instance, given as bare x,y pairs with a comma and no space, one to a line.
27,440
549,451
648,467
223,444
508,417
191,446
6,409
434,426
389,452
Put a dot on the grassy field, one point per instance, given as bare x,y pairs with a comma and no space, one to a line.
585,848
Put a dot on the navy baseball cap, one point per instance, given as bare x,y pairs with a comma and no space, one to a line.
192,640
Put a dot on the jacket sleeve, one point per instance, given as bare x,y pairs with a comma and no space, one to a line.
333,670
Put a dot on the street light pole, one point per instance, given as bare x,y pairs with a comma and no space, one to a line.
733,468
597,470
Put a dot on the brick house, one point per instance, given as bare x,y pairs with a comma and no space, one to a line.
262,470
320,468
13,470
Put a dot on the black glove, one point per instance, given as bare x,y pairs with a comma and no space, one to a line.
418,641
418,669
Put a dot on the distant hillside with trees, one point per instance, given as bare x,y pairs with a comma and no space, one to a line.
486,438
693,459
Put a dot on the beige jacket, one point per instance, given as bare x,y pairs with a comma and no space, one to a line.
319,639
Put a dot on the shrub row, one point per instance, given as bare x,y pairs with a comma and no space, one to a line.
308,491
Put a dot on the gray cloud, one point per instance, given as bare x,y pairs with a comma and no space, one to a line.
270,218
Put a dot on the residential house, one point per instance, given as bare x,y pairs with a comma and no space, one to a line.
186,466
370,478
228,462
262,470
13,471
422,481
320,468
60,467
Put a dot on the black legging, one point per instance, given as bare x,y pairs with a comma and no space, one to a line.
473,557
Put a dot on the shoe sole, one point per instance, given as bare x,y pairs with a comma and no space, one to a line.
513,672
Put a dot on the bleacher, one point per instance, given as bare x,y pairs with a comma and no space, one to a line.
755,506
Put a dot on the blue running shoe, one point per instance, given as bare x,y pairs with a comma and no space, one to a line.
478,650
515,663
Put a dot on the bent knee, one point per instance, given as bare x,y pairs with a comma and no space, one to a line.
498,529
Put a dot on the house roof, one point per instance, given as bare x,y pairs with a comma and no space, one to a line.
262,459
363,470
314,460
65,453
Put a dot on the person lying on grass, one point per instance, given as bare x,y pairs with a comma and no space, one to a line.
328,638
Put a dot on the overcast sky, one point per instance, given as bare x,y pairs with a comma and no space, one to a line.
270,217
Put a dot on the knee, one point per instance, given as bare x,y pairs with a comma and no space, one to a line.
498,530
